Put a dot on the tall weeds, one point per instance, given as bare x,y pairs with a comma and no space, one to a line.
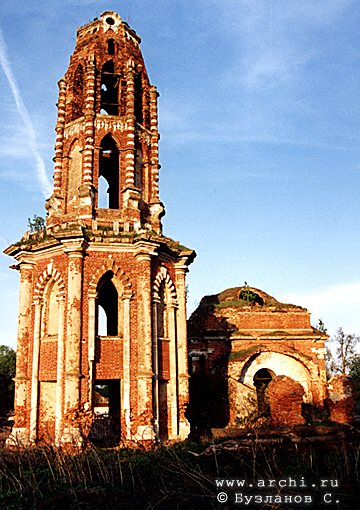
182,476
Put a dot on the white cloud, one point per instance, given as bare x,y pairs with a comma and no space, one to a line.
337,305
26,120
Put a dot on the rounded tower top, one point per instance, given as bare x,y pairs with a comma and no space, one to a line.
110,19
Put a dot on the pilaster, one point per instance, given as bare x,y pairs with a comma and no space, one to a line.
126,388
75,252
145,344
59,397
19,432
182,349
35,372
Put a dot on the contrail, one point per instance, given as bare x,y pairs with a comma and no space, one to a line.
45,184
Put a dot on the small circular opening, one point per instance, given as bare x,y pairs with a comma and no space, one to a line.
110,21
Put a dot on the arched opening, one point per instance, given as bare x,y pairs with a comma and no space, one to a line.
109,89
107,313
108,196
52,310
261,380
138,98
278,364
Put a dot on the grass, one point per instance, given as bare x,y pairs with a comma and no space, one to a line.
176,477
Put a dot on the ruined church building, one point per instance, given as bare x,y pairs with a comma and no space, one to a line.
102,327
102,318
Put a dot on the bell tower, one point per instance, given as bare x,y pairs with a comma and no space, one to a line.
102,313
106,155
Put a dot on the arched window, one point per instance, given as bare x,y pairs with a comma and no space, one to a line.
51,310
109,90
108,194
161,313
108,306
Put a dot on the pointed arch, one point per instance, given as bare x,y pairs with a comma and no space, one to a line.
121,276
163,277
50,272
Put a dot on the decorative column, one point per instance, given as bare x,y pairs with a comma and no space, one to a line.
35,372
86,190
182,348
173,403
130,120
155,364
154,146
59,396
91,341
73,335
59,141
19,433
157,209
145,346
131,195
126,388
55,204
89,121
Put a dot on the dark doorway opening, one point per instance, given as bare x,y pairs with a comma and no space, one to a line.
261,380
106,428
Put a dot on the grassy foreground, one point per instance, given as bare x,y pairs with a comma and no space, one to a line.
182,476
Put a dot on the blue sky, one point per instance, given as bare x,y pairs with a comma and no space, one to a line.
260,139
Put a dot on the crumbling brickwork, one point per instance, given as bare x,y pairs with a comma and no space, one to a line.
341,402
285,398
102,290
239,341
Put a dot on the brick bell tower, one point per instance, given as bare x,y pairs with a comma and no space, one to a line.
102,313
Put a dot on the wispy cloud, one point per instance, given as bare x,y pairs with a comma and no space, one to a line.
274,36
339,303
25,118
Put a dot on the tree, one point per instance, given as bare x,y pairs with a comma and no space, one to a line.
37,224
341,361
7,373
355,377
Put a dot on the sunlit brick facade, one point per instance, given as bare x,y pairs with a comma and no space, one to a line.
102,314
240,342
